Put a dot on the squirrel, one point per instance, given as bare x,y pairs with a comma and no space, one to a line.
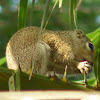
55,50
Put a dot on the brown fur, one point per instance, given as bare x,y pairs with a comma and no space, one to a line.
55,50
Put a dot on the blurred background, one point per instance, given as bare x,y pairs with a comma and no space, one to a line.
88,18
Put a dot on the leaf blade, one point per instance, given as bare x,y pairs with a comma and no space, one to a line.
2,61
22,14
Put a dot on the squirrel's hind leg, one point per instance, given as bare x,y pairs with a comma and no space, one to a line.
42,57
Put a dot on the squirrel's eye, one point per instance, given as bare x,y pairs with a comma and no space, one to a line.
91,46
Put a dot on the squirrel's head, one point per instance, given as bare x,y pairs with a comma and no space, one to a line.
86,47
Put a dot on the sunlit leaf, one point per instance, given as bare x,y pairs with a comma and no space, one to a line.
2,61
60,3
97,63
21,23
37,82
11,83
94,36
17,80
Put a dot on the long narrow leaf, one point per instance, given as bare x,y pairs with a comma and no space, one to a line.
11,83
75,13
17,80
33,2
95,38
21,24
71,16
37,82
2,61
22,14
97,63
39,36
51,13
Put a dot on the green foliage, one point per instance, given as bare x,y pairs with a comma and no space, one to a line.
33,2
72,13
97,63
17,79
51,13
39,36
11,83
22,14
21,23
38,82
2,61
95,38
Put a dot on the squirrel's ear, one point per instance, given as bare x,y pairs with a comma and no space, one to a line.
79,33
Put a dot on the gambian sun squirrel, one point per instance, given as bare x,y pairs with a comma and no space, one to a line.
55,50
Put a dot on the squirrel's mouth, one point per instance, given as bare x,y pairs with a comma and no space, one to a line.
91,63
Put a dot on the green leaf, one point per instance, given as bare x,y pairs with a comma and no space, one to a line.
17,79
2,61
91,82
60,3
21,23
97,63
51,13
72,14
31,16
37,82
94,36
22,14
11,83
39,36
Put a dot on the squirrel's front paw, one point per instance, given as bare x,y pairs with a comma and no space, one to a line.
84,66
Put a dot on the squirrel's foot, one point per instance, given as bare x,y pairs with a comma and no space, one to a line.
84,66
51,75
65,75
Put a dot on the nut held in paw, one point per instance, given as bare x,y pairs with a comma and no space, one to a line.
84,65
